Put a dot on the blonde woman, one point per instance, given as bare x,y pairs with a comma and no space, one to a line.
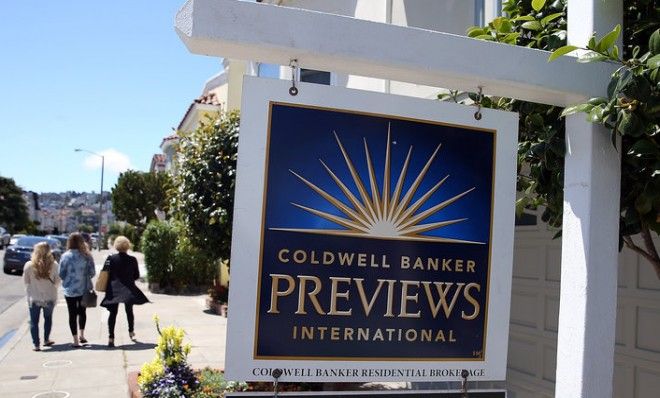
122,271
76,271
41,280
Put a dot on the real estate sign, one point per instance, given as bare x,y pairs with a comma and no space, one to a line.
372,239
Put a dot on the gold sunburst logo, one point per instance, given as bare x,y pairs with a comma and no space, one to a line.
380,213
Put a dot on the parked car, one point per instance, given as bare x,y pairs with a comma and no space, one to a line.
15,238
60,238
95,240
5,237
18,254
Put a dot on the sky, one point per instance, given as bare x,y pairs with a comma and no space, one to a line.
109,77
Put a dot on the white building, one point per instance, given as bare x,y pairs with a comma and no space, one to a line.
221,92
32,203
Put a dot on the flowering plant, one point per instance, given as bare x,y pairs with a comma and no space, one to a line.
168,374
213,384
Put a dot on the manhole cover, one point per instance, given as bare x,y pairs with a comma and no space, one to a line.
52,394
60,363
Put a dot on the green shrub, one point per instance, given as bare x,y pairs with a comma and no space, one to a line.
159,242
172,260
192,266
127,230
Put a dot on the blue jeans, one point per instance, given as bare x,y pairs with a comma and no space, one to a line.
34,321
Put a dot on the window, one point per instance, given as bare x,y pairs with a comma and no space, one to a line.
314,76
526,219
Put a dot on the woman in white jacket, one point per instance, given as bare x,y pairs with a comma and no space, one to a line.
41,279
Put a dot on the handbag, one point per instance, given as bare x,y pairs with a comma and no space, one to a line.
89,299
102,282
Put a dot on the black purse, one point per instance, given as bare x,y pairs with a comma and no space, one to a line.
89,299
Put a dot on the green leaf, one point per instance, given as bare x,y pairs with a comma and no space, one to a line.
654,42
597,101
623,78
524,18
615,52
638,87
608,40
653,62
532,25
485,37
592,43
655,76
502,25
644,148
535,120
511,38
629,124
591,57
475,31
561,51
643,204
550,18
596,114
537,5
577,109
505,26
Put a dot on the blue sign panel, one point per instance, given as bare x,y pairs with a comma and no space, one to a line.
376,237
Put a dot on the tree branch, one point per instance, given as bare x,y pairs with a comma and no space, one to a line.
651,249
650,254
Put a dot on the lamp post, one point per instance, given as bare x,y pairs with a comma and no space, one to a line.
101,203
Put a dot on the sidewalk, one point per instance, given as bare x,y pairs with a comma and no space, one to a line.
96,370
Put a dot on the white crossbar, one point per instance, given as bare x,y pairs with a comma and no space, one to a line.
274,34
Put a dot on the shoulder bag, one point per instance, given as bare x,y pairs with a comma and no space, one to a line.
102,281
89,297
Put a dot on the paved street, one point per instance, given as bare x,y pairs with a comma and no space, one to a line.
11,288
12,314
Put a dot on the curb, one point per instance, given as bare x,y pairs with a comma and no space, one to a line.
20,332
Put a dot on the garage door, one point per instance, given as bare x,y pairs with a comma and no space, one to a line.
534,315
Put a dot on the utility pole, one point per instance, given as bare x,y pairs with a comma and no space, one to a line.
102,199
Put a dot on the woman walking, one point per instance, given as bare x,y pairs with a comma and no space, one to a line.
76,271
41,280
122,271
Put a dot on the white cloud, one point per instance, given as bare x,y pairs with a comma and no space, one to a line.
114,161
